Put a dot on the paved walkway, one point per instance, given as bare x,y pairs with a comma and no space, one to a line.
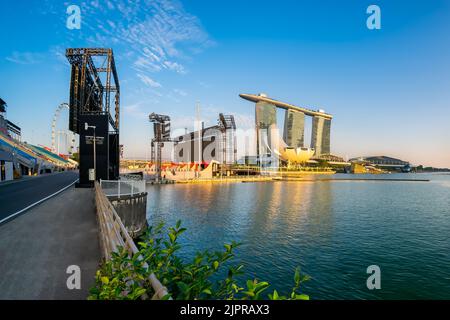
37,247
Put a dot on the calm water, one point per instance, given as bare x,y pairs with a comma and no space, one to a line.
333,230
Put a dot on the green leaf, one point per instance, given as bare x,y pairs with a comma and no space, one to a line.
198,259
261,284
249,293
124,276
105,280
207,291
166,297
183,286
275,295
297,275
139,292
306,278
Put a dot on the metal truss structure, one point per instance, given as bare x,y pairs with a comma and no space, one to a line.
94,89
93,80
161,134
228,127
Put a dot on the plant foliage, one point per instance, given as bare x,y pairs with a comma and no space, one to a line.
126,277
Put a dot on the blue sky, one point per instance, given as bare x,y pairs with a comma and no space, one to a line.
388,89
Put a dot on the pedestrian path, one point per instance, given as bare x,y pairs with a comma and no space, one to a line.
36,248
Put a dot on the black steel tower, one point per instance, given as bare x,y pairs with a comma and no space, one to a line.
94,87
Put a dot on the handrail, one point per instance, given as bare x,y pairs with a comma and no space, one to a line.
113,234
129,187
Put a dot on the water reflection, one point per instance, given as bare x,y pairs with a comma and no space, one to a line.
332,229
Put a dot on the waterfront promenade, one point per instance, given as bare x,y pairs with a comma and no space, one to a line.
37,246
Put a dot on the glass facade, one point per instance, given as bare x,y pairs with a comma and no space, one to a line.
320,139
266,119
294,129
316,135
266,115
326,140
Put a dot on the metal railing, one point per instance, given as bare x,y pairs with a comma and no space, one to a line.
118,188
113,235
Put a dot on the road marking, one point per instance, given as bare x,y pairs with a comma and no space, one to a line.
38,202
30,178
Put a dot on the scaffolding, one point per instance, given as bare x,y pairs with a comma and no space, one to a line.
228,127
94,88
161,134
88,95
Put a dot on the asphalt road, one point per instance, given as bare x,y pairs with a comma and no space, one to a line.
19,195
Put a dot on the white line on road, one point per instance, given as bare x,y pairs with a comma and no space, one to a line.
36,203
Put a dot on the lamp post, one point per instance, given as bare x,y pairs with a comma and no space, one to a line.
86,127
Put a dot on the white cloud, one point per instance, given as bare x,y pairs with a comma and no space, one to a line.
160,32
151,36
144,64
25,57
149,81
153,56
134,110
179,123
180,92
171,97
60,53
174,66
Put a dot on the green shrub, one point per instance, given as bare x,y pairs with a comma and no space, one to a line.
125,277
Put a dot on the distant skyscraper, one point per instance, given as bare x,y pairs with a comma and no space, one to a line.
326,137
266,118
320,139
294,128
292,146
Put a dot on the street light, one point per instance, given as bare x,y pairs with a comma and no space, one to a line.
86,127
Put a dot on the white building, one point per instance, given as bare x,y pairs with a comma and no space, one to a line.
6,166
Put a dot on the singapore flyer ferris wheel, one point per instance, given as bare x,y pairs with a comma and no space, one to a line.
68,137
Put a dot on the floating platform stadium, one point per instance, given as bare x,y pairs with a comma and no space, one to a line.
19,158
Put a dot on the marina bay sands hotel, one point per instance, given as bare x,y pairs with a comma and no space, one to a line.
294,125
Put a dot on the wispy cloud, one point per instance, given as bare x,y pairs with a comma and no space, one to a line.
136,110
180,92
149,81
174,66
133,109
171,97
25,57
153,35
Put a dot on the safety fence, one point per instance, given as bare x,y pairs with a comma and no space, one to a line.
120,188
114,235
